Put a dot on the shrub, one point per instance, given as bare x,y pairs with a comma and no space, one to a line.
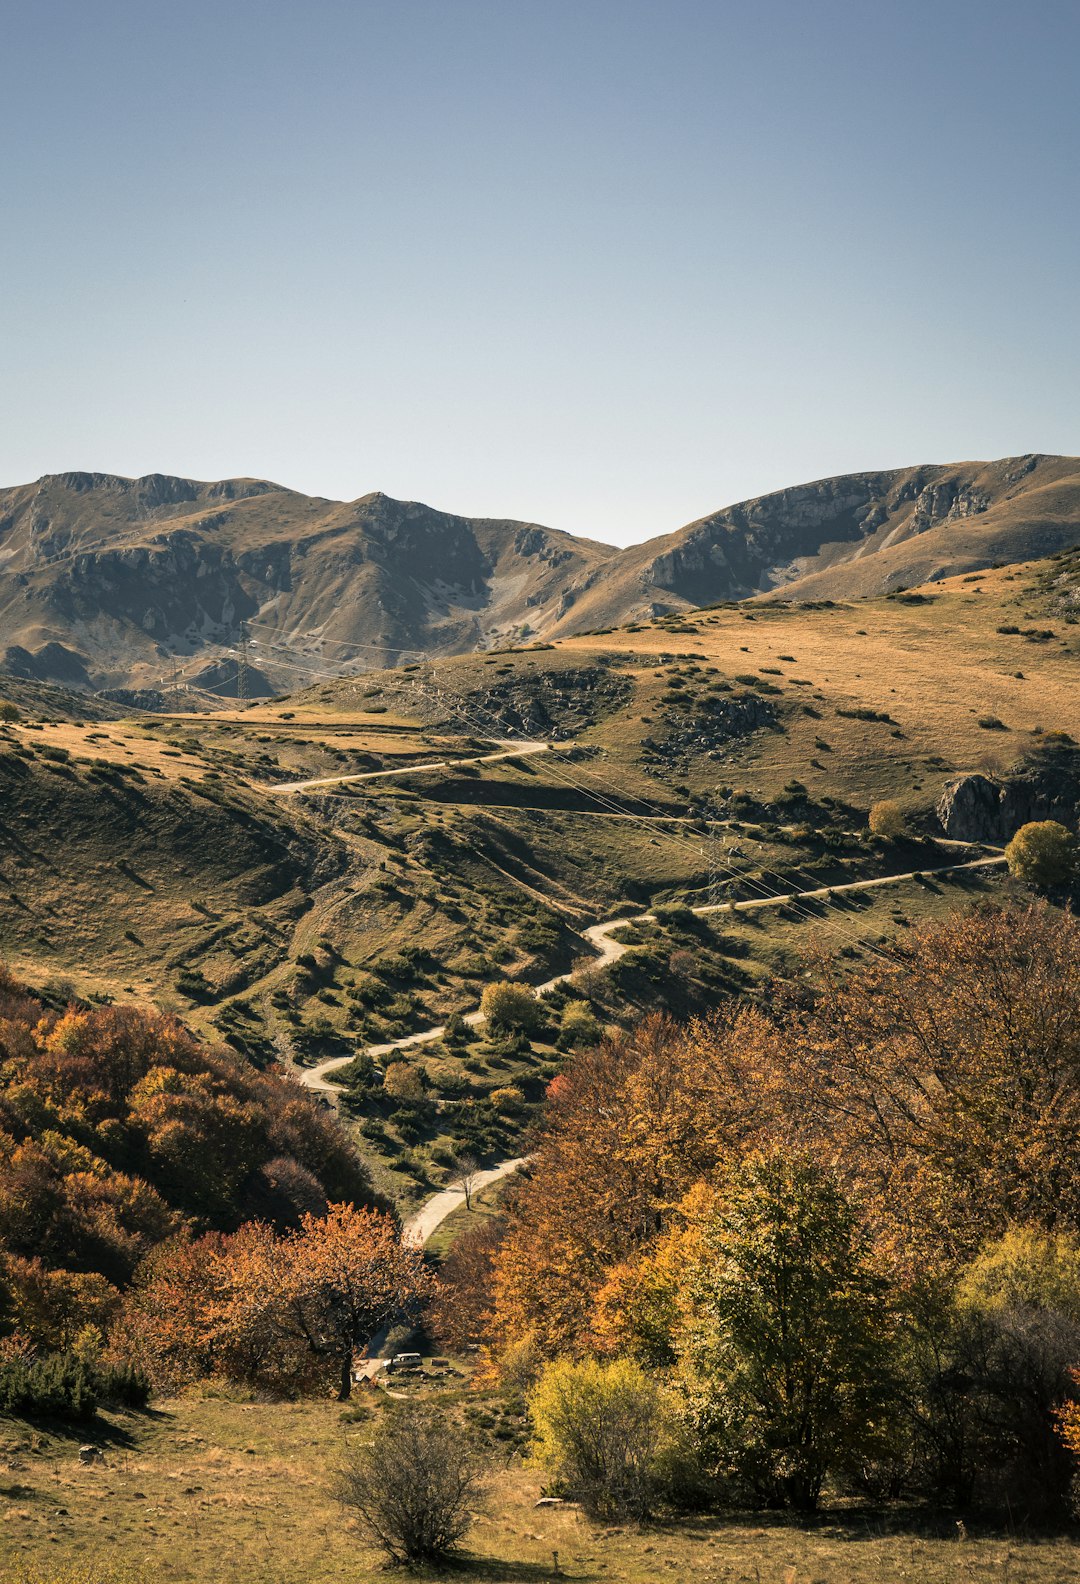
59,1386
360,1075
508,1102
413,1485
1043,853
67,1386
578,1026
457,1031
887,819
511,1007
8,712
403,1081
601,1430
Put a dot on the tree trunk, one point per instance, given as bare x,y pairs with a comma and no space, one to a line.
345,1386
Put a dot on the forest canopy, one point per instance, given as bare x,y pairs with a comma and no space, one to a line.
841,1230
118,1131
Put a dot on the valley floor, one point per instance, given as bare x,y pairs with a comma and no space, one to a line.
208,1490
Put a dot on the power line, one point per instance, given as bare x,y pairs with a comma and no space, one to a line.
472,714
740,876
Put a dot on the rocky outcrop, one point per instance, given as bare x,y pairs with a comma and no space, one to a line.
980,808
554,703
969,809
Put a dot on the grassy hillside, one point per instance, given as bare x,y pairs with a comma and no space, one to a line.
246,1487
186,862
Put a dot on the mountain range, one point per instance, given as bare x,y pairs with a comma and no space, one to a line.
113,583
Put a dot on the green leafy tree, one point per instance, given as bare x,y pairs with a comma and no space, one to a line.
1043,854
579,1026
988,1374
785,1346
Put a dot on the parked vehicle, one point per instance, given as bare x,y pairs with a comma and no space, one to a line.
406,1361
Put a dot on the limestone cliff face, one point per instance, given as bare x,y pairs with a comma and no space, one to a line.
862,533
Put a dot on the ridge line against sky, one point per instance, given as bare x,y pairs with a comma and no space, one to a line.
611,262
511,516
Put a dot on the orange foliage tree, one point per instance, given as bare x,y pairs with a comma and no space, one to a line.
348,1274
630,1127
118,1130
947,1083
276,1311
942,1088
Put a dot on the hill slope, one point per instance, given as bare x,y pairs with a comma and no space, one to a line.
861,533
110,582
106,579
304,877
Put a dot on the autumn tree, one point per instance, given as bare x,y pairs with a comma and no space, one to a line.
945,1079
53,1306
167,1320
277,1311
630,1127
1044,853
511,1008
642,1305
344,1276
460,1313
942,1080
886,819
119,1130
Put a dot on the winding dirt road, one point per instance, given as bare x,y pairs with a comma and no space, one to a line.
599,937
434,1211
509,751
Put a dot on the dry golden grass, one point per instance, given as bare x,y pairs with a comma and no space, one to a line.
936,668
206,1491
118,743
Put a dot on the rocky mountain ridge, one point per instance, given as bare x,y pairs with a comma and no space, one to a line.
109,582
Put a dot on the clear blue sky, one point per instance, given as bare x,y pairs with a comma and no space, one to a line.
602,264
